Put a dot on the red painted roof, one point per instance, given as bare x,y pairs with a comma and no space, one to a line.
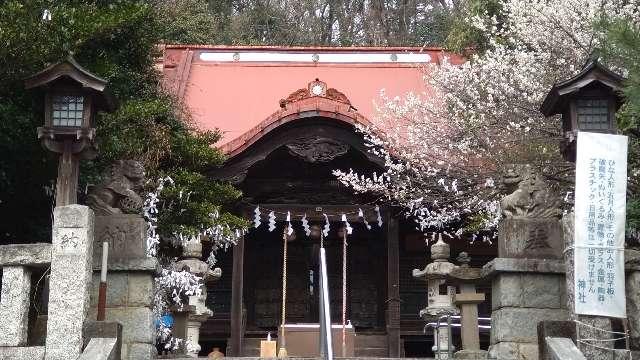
239,89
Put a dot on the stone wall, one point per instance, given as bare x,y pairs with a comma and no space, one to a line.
129,301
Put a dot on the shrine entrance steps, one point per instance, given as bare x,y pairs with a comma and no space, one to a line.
369,346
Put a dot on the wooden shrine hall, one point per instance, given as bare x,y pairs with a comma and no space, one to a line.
288,118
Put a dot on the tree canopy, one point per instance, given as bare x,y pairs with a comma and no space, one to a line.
118,41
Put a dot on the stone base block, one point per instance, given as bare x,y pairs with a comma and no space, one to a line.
513,351
520,324
471,355
141,351
528,291
125,234
22,353
526,237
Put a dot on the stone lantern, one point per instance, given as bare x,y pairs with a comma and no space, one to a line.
587,102
190,317
440,297
72,97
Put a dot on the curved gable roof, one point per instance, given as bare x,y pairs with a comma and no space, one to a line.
239,89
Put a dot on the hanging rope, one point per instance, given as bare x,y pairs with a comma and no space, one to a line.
284,283
344,291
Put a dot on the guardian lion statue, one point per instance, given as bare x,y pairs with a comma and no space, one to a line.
117,192
530,195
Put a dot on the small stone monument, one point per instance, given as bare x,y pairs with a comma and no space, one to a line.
468,300
439,301
528,276
130,283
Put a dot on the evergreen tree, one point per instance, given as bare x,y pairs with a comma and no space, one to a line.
117,40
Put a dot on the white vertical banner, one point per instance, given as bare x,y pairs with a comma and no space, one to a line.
600,211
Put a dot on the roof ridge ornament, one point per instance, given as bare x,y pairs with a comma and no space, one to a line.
316,88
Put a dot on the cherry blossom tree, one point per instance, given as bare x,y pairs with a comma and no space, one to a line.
445,151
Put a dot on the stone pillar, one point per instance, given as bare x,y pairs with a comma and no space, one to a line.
70,280
130,283
528,285
14,308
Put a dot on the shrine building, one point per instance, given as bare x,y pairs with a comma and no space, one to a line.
288,117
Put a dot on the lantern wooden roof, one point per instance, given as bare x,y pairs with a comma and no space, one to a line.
70,69
593,72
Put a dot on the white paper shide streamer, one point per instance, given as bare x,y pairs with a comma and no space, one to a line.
379,216
325,230
272,221
289,227
364,220
256,217
305,225
346,224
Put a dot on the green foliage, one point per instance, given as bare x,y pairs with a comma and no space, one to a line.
620,48
462,36
117,40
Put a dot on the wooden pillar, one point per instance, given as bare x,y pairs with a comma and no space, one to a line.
67,182
393,286
237,331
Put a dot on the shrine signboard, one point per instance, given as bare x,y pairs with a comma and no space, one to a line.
600,203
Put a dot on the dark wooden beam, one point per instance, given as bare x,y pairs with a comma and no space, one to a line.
393,285
237,276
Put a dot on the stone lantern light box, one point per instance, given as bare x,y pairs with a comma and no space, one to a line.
587,102
72,97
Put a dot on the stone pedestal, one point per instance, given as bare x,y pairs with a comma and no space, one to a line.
70,280
130,283
524,292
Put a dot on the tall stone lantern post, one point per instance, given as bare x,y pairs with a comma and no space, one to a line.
439,296
72,97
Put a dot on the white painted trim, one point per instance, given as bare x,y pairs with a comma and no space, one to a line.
308,57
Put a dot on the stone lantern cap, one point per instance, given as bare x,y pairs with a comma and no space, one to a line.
440,267
593,72
69,69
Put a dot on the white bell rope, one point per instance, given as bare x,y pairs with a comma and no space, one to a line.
344,292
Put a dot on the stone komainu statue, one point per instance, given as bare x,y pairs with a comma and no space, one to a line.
117,192
531,195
